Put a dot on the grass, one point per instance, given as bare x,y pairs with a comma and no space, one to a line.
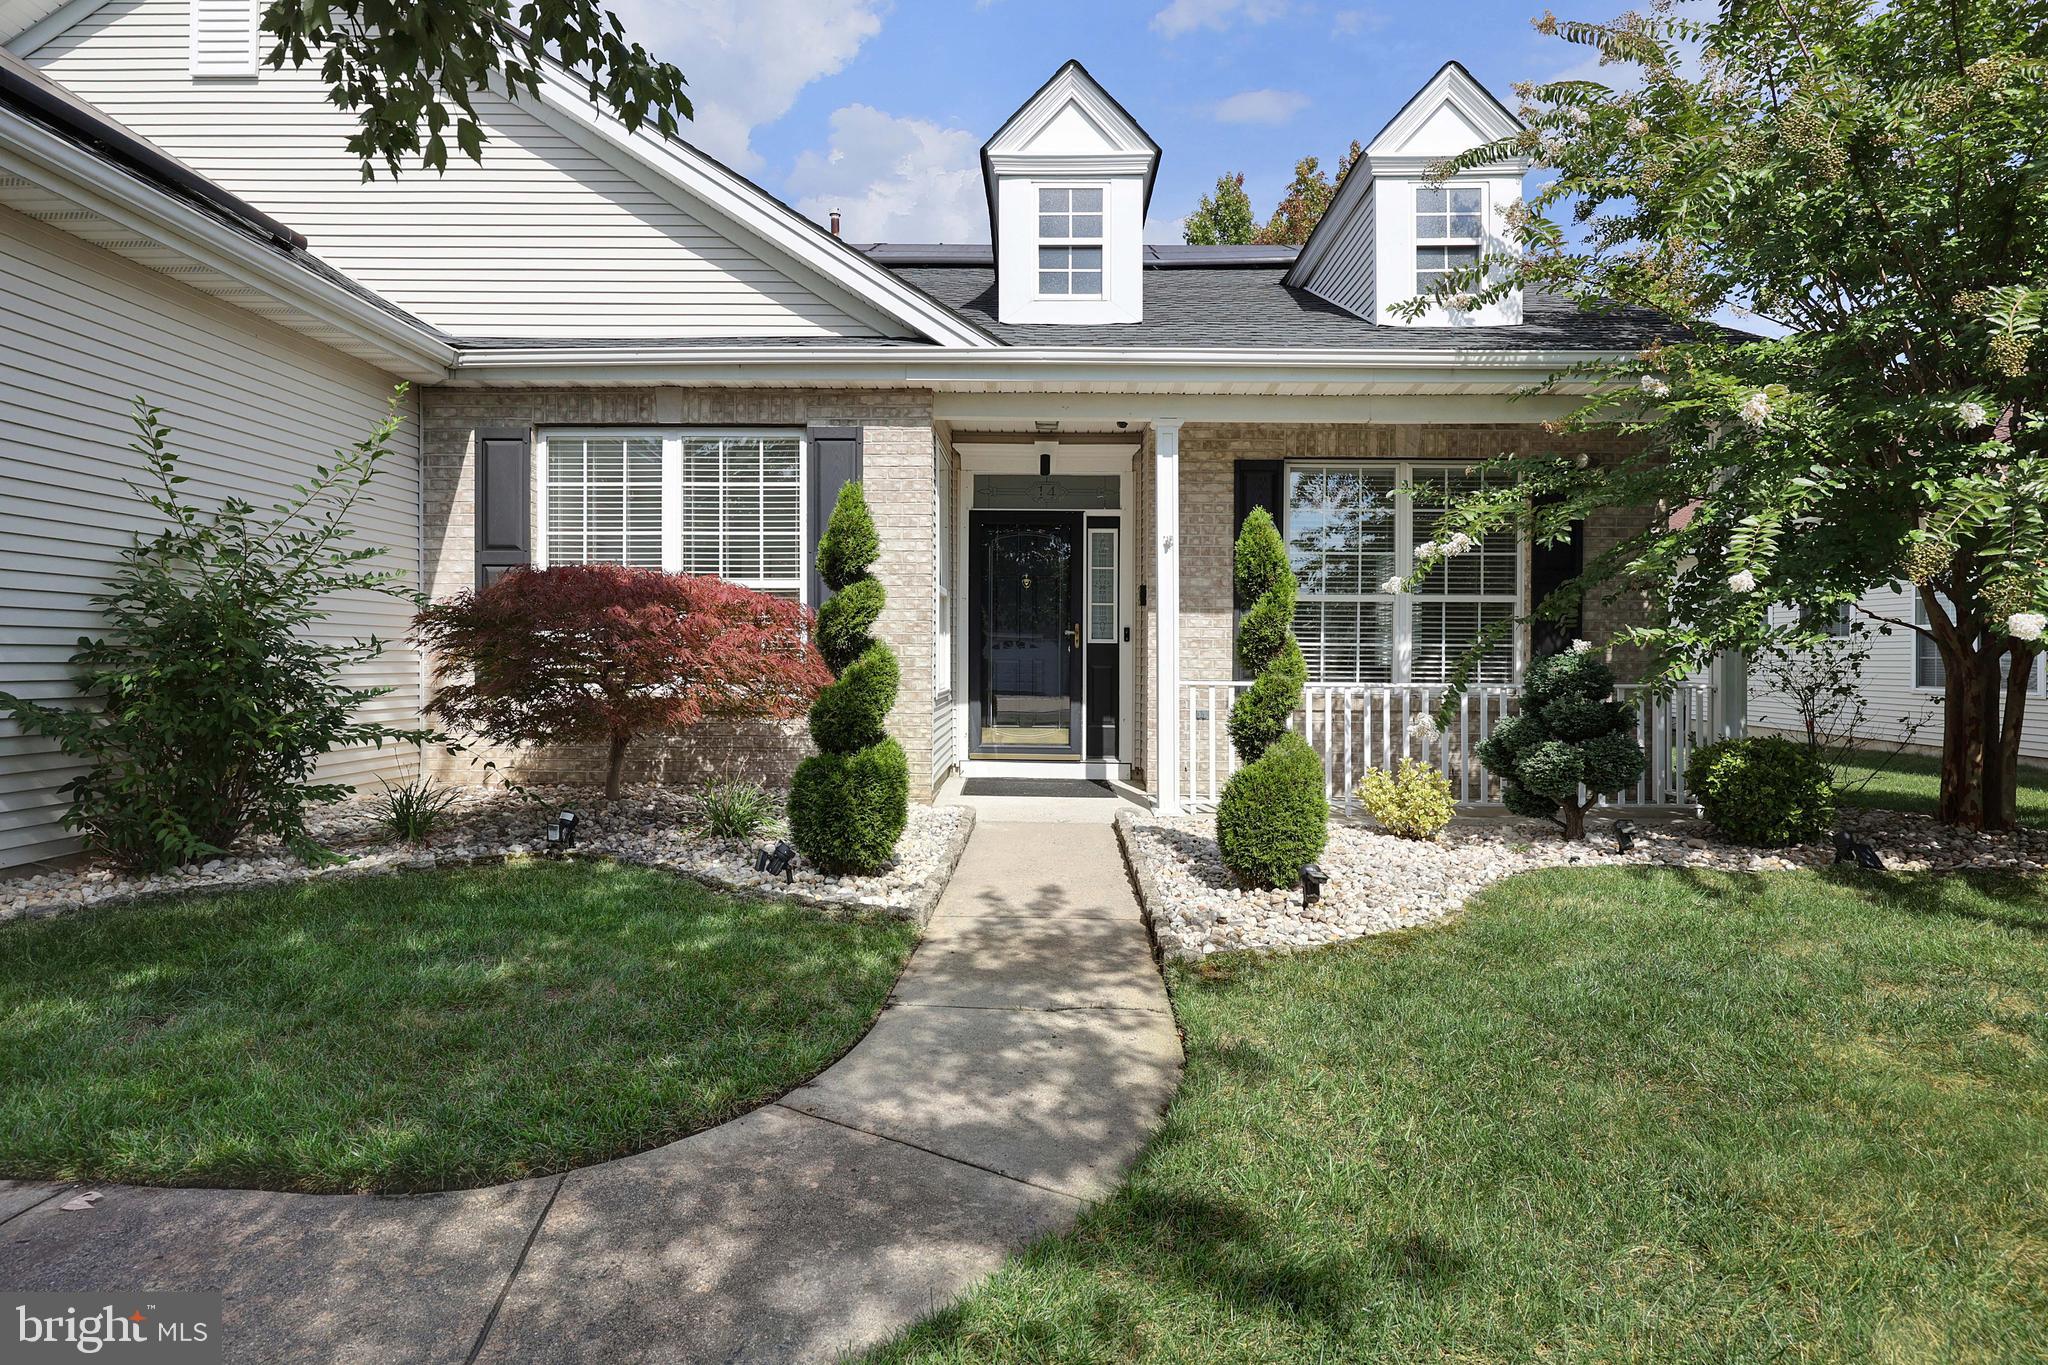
1913,782
417,1032
1612,1114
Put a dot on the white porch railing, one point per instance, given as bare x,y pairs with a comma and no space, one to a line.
1359,726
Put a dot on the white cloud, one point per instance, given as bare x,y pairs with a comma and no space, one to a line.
1185,16
1268,107
748,60
894,180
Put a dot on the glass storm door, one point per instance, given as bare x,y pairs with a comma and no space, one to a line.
1026,648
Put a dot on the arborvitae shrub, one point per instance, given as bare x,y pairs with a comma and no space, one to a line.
1273,819
849,802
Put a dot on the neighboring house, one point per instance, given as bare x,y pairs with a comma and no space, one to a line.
1901,682
640,356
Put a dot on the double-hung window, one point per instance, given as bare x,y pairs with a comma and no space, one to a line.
1447,231
726,504
1350,528
1930,674
1070,241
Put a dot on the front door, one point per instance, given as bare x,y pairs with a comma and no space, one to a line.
1025,650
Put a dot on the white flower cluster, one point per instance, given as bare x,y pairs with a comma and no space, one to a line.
1638,128
1654,385
1424,728
1744,581
1971,415
1454,545
1579,116
2026,625
1392,585
1582,646
1756,409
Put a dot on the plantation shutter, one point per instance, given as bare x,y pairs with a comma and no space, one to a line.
1551,567
834,463
504,519
223,37
1258,484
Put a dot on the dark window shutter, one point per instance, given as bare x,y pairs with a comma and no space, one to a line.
1550,568
1259,484
834,454
504,518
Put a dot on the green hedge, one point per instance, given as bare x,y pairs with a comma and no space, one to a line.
1273,819
1764,791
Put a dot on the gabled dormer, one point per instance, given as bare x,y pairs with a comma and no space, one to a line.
1069,180
1388,235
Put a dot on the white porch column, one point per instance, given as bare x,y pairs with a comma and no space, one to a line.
1166,718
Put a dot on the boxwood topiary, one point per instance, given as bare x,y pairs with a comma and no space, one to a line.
849,802
1568,733
1763,790
1273,819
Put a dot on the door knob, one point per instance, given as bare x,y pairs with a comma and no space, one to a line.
1074,636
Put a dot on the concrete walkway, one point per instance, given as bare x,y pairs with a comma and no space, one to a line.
1024,1058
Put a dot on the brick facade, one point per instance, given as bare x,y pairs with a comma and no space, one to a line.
897,463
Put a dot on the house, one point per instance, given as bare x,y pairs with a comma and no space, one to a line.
1900,685
619,349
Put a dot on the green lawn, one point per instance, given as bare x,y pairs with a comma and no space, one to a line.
1913,782
1611,1115
417,1032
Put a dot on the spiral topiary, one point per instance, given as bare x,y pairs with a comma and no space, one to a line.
1568,733
849,802
1273,819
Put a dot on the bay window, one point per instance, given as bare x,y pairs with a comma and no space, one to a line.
1349,529
726,504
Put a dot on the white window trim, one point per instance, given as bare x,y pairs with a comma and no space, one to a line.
1403,603
1419,241
672,439
1101,243
1920,618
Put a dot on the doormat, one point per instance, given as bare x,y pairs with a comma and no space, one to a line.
1035,786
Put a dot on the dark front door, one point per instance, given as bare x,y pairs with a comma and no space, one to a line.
1025,653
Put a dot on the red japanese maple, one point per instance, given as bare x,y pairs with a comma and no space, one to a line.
600,652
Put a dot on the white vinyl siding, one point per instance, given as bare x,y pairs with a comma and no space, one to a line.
725,504
1901,683
545,239
1349,529
251,409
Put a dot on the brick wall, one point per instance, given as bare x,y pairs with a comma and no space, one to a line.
897,470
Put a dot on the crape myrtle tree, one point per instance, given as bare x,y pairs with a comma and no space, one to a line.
409,71
602,653
1867,177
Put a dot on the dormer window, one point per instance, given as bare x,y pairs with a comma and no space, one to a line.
1070,242
1447,219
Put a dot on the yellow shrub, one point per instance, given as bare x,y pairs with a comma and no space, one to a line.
1414,802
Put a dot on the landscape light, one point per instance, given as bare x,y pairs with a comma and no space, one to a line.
1313,878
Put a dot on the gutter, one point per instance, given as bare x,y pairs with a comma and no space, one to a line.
22,85
1011,366
41,156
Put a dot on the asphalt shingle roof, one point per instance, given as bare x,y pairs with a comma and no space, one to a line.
1230,307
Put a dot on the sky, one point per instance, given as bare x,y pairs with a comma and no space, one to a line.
878,108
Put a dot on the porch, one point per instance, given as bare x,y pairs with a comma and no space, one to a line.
1174,491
